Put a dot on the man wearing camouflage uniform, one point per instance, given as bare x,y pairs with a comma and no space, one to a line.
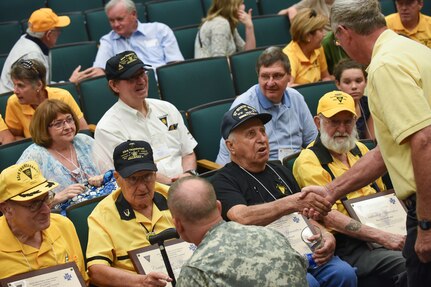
228,253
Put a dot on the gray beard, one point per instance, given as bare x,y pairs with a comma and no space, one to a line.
339,146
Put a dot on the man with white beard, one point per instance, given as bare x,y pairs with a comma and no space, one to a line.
334,151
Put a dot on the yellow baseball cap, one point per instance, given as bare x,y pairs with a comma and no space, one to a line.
45,19
334,102
23,182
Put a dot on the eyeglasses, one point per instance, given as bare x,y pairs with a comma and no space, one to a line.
132,180
138,76
59,124
35,205
28,65
275,76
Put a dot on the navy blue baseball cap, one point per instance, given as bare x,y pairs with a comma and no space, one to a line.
133,156
238,115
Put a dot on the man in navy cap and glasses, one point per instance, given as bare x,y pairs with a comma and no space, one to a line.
136,117
126,219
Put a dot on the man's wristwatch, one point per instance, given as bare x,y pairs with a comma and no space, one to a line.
192,172
424,224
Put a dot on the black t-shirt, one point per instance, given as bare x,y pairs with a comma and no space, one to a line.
235,186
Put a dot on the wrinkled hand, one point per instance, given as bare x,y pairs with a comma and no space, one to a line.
69,192
78,75
423,245
310,211
314,203
323,254
96,180
245,17
392,241
155,279
164,179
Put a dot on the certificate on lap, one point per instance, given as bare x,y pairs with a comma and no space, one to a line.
291,226
382,210
64,275
149,259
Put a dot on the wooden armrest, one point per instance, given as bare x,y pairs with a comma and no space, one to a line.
92,127
207,164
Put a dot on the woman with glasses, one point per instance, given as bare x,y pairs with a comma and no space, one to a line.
63,155
305,52
351,78
30,90
218,35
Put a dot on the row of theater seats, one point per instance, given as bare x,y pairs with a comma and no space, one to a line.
94,24
183,15
202,90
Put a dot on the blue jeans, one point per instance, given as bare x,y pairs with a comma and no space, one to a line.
335,273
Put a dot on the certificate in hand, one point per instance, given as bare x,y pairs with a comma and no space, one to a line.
149,259
291,226
382,210
64,275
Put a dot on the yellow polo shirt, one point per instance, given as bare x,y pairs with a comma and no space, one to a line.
19,116
115,228
303,69
399,97
60,245
3,125
421,33
308,171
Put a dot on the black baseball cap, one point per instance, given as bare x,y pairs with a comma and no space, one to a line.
123,66
133,156
238,115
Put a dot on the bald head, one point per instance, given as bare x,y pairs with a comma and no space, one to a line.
192,199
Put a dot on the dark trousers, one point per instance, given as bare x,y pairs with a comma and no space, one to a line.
418,273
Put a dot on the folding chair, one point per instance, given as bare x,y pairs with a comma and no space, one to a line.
78,214
175,13
313,92
19,9
191,83
266,23
9,33
186,36
204,123
65,58
76,31
273,6
96,99
11,152
60,6
243,67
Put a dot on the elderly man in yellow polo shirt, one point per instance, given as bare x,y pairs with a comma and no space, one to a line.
409,21
31,237
333,152
126,219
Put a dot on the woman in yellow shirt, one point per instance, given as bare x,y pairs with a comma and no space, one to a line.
305,52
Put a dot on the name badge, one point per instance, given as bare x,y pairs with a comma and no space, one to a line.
150,43
283,152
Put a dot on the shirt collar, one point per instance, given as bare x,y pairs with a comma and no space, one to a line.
139,29
267,104
42,46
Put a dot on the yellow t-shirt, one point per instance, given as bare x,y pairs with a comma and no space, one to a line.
19,116
308,171
421,33
3,125
60,245
303,69
114,231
